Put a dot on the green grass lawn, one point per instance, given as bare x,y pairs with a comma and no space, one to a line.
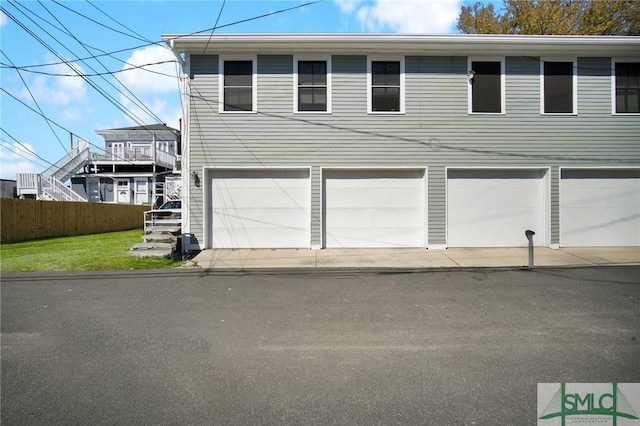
81,253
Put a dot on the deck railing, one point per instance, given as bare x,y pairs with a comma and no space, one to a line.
56,190
134,154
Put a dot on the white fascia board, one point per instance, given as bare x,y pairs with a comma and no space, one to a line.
417,44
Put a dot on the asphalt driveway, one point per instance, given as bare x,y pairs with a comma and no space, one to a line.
199,347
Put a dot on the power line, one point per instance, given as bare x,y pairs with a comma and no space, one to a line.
141,104
39,113
55,74
25,148
60,126
13,149
242,21
101,91
36,102
97,22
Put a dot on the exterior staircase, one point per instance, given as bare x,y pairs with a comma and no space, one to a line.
49,185
161,235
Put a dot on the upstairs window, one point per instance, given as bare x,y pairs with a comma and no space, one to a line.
486,86
238,90
627,87
312,86
386,86
558,87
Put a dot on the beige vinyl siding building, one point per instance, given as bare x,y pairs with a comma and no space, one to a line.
361,140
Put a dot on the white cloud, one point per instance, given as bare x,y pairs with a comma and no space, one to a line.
166,107
63,89
159,78
158,90
403,16
16,159
3,18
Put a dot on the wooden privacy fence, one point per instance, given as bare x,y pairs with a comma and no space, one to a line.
23,220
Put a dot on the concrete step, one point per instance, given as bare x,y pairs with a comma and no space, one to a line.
160,238
155,253
153,246
163,229
167,222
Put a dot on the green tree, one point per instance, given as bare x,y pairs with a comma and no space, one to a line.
570,17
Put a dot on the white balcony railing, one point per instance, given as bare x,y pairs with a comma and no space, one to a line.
56,190
134,154
28,183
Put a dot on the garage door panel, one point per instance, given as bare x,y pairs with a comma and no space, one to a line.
497,217
366,218
243,197
385,178
472,197
599,196
262,218
493,208
373,208
600,208
375,197
260,209
253,238
368,237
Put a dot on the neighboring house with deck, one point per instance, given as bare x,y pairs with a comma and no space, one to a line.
138,165
365,140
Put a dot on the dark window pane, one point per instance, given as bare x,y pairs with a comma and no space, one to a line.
385,73
312,99
385,98
312,73
486,90
627,87
238,73
238,99
558,87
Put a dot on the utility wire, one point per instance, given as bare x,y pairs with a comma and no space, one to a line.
9,146
57,74
25,148
141,37
101,91
63,128
139,103
36,102
99,23
242,21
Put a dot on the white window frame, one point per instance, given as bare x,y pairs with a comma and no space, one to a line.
399,59
303,58
254,82
574,80
613,85
503,85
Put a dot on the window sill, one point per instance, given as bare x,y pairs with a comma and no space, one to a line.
386,113
559,114
237,112
487,113
313,112
624,114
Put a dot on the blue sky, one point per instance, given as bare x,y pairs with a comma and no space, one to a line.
112,94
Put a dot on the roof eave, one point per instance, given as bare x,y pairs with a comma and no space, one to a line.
408,44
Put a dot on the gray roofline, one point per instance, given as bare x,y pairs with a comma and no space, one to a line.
152,128
418,44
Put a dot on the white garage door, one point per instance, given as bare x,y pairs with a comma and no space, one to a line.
374,208
260,209
494,208
600,208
